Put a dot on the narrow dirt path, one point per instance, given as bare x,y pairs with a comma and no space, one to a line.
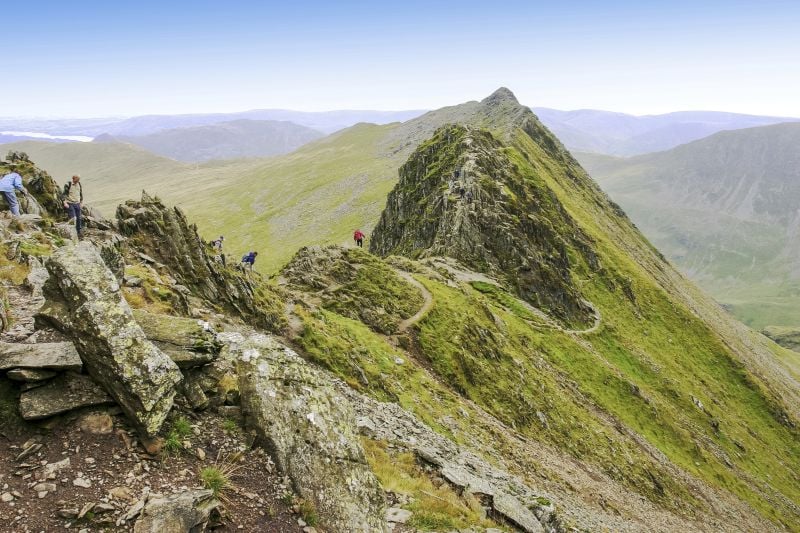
426,305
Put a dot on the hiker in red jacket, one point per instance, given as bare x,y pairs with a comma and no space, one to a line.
359,238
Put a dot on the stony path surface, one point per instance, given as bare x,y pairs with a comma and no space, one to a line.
426,305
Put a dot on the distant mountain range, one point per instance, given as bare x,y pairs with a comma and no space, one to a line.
226,140
585,130
726,209
605,132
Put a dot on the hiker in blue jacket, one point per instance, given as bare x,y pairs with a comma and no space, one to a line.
249,260
10,183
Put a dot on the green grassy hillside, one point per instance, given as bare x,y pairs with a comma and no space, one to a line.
724,209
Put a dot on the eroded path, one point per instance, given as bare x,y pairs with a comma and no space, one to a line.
426,305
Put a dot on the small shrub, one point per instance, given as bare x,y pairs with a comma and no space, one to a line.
308,512
214,478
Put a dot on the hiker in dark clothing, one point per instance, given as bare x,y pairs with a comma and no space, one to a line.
461,191
457,173
73,198
249,260
469,197
359,238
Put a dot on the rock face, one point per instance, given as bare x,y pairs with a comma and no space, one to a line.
177,513
508,495
165,235
51,355
64,393
508,222
786,337
310,431
85,303
188,342
44,199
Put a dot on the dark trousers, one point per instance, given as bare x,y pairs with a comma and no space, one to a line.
74,211
360,243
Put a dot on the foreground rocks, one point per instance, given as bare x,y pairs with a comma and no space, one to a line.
51,356
177,513
85,303
64,393
310,430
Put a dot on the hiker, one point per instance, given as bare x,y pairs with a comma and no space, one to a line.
248,260
10,183
456,173
359,238
469,197
461,191
73,198
216,244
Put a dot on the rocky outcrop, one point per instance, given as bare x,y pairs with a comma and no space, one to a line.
786,337
182,512
64,393
52,355
310,431
85,303
45,196
508,496
507,223
188,342
165,235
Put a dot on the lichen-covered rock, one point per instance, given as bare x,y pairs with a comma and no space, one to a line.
188,342
64,393
85,302
165,236
50,355
310,431
183,512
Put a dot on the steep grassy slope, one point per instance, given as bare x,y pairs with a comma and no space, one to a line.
669,397
226,140
725,210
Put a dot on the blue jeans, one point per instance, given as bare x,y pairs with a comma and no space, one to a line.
74,211
13,204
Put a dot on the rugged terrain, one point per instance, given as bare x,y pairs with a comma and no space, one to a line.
523,360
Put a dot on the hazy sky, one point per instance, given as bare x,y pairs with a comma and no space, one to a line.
83,58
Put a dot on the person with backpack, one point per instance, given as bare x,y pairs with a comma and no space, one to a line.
358,236
10,183
216,245
248,260
73,198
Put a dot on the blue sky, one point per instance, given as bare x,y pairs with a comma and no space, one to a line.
125,58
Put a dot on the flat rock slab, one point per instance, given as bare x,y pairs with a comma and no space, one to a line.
49,355
176,513
64,393
85,302
30,375
311,432
187,341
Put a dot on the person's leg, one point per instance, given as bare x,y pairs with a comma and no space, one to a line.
13,204
78,219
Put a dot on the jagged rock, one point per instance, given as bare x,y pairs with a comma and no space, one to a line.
85,302
162,235
310,430
513,228
109,246
50,355
66,230
188,342
64,393
30,374
37,276
397,515
510,497
177,513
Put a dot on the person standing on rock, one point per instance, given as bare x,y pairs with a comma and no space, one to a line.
358,236
9,184
249,260
217,246
73,198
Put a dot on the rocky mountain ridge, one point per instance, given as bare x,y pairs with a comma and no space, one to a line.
429,385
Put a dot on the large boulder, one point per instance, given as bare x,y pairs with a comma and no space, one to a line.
311,432
188,342
85,303
177,513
